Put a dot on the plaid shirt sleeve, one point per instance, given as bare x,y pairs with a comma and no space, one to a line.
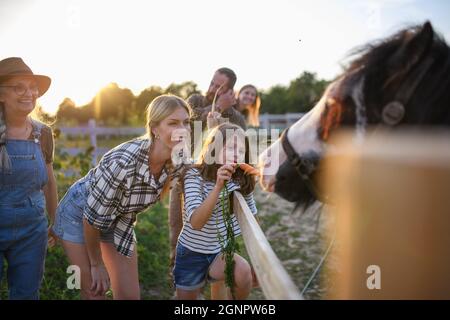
103,202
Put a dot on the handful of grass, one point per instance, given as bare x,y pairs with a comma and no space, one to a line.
228,243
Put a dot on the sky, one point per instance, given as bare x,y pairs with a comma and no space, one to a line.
85,44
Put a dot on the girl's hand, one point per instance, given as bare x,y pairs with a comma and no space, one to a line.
224,174
100,280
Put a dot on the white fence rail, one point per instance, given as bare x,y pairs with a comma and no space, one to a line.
267,121
272,277
281,121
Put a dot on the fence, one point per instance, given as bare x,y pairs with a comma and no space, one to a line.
280,121
267,121
272,277
392,209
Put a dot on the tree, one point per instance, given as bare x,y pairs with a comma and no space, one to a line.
300,96
117,106
183,90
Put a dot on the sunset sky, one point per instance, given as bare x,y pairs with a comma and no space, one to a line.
84,45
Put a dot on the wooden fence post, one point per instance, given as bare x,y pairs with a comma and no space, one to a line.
93,139
391,198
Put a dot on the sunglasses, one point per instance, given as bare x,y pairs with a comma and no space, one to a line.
21,89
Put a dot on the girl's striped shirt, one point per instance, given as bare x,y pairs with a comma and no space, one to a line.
196,189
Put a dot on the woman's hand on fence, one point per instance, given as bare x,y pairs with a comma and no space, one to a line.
100,280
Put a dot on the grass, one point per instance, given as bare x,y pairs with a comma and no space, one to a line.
292,237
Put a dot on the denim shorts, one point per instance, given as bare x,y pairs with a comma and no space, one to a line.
191,270
68,224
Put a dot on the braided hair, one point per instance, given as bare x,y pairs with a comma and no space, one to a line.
5,161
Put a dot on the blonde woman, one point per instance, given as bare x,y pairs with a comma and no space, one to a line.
27,182
95,219
249,103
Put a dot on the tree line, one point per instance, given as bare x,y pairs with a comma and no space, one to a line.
116,106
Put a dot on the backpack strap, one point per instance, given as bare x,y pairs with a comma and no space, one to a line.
37,128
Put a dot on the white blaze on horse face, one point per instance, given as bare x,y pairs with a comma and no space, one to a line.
303,136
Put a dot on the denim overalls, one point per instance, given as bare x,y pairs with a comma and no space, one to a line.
23,223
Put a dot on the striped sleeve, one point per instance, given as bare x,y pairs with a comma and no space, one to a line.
106,192
193,193
251,203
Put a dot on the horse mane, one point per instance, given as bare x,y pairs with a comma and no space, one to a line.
383,66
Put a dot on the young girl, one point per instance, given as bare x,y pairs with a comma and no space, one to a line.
198,253
96,218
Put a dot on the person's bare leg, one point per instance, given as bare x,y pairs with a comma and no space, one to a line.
242,275
218,290
78,256
188,294
123,272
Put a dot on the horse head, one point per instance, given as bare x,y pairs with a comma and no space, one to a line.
402,80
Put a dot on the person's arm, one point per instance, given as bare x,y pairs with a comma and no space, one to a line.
51,201
100,278
50,189
100,213
202,214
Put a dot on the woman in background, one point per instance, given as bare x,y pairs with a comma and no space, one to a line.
249,103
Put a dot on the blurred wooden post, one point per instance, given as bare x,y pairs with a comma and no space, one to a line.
93,139
391,199
272,277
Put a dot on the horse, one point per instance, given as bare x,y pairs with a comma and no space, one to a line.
401,80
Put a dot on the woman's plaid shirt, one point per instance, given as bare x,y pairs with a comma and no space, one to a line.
121,186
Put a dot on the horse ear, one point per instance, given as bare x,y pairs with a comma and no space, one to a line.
415,45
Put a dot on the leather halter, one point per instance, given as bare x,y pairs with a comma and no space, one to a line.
303,166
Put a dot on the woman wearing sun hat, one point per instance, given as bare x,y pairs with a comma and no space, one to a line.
27,183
